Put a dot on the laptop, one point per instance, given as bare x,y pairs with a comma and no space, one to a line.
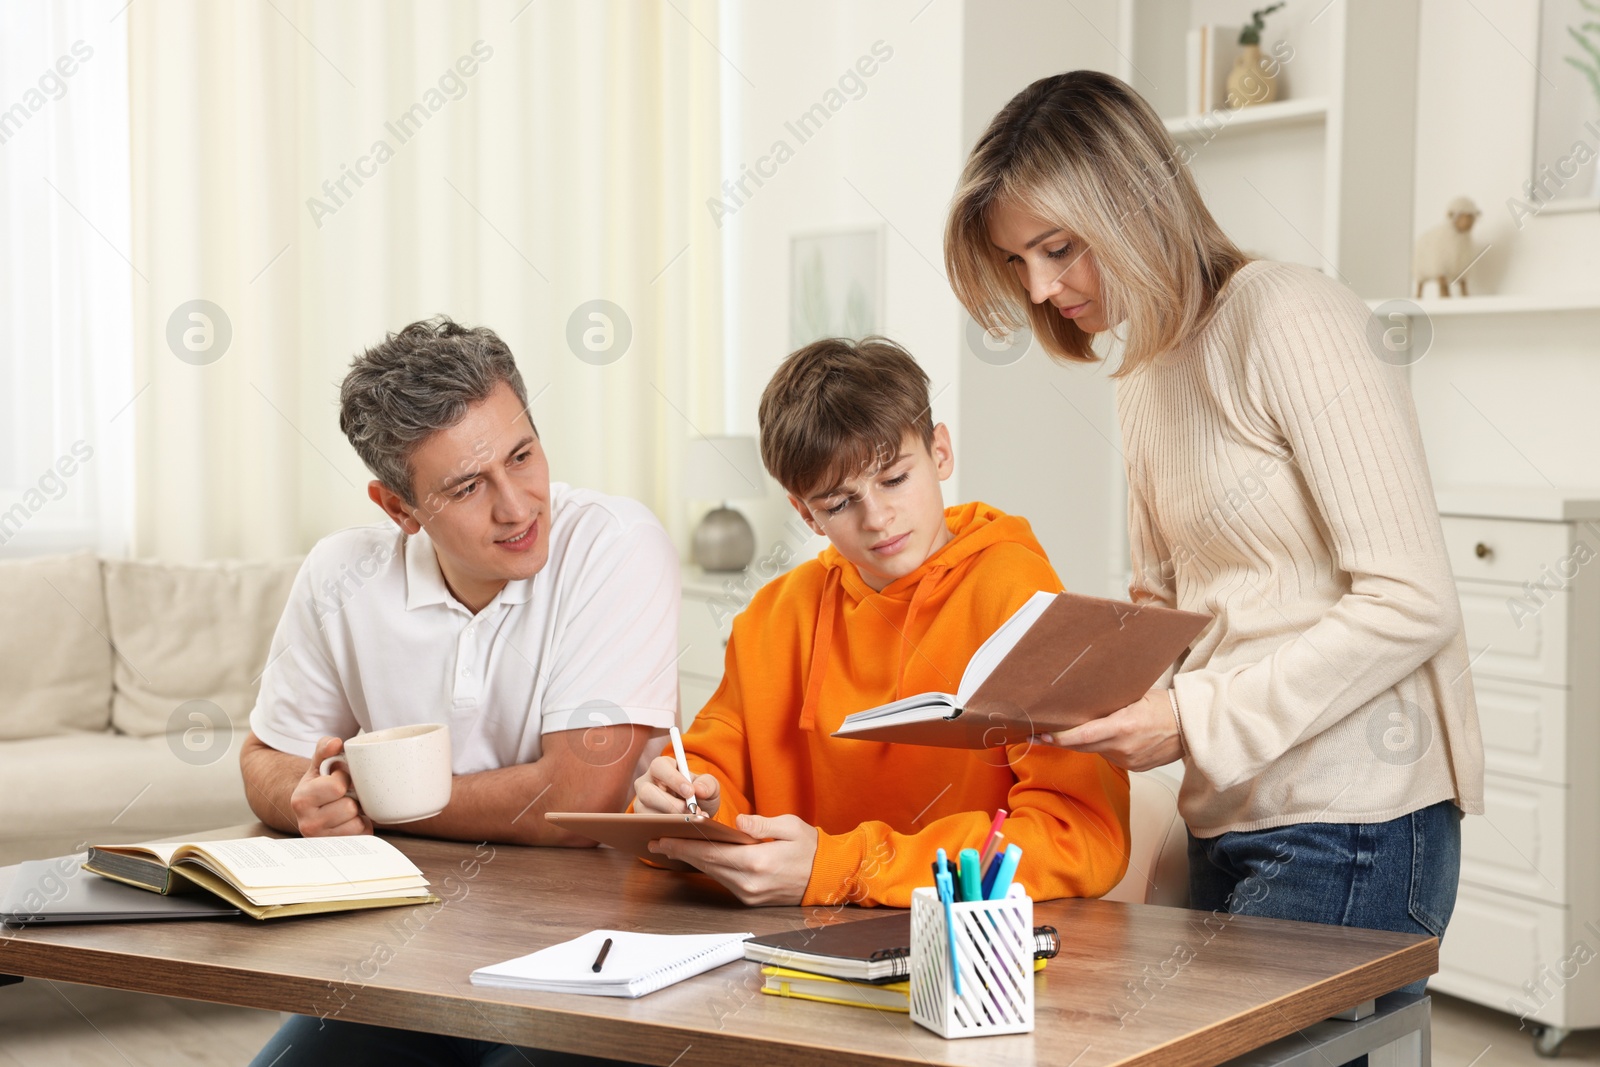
59,890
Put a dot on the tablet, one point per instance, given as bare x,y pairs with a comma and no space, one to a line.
632,832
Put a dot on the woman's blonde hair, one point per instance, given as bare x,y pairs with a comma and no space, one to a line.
1084,152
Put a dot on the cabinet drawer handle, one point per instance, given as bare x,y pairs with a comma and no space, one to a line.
1482,551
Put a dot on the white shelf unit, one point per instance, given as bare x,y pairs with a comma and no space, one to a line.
1220,123
1530,872
1502,304
1322,176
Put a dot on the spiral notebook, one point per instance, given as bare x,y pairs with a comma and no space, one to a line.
635,965
866,950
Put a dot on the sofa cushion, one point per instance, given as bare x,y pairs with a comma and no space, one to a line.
62,793
191,633
55,650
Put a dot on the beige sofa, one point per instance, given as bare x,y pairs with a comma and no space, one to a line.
125,693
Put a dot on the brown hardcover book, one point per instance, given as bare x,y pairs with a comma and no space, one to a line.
1060,661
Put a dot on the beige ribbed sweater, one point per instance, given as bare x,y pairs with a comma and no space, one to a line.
1277,482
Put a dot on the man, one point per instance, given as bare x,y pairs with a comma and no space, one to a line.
537,620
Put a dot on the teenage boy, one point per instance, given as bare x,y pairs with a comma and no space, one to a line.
897,605
537,620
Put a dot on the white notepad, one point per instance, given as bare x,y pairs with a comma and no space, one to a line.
637,963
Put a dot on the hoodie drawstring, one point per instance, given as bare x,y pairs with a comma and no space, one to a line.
909,628
820,647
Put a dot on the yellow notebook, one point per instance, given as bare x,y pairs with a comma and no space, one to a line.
803,985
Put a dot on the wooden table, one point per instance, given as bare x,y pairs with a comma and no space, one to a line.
1133,984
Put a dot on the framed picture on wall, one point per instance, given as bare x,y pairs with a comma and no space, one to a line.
1566,135
835,284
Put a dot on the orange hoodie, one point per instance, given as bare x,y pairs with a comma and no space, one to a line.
817,644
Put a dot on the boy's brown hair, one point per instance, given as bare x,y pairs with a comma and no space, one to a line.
838,407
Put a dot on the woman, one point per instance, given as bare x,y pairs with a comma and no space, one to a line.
1276,481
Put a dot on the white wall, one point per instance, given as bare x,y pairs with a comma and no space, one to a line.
1030,437
1502,400
1042,438
889,159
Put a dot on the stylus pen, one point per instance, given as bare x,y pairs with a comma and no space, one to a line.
600,960
683,767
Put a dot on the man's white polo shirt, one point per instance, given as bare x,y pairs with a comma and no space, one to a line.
373,638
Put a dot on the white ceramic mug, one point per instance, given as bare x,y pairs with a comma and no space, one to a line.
401,774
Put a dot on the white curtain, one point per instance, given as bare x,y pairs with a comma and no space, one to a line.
65,279
318,174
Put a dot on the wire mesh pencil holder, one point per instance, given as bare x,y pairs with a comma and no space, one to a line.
994,952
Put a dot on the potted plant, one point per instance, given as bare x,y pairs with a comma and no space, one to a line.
1252,80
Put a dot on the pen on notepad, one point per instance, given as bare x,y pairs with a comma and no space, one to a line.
683,767
600,960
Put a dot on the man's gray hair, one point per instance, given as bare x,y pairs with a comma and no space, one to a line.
415,383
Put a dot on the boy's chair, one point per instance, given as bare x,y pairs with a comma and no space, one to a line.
1158,863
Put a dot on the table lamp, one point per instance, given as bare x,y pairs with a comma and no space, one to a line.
723,469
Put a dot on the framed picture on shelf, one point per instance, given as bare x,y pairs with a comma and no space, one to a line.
835,284
1566,132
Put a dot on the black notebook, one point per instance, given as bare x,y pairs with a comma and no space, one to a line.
868,950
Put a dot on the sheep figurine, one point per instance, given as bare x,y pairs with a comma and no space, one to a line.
1445,252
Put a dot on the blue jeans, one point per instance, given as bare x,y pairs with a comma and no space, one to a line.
1398,875
307,1040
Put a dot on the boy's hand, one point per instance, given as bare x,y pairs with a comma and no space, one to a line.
661,788
1138,737
321,803
775,872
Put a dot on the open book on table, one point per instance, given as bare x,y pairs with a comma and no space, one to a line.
269,877
1060,661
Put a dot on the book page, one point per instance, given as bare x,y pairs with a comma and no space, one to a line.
999,643
358,863
917,707
146,850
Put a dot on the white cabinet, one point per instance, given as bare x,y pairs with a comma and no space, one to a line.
1525,937
710,601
